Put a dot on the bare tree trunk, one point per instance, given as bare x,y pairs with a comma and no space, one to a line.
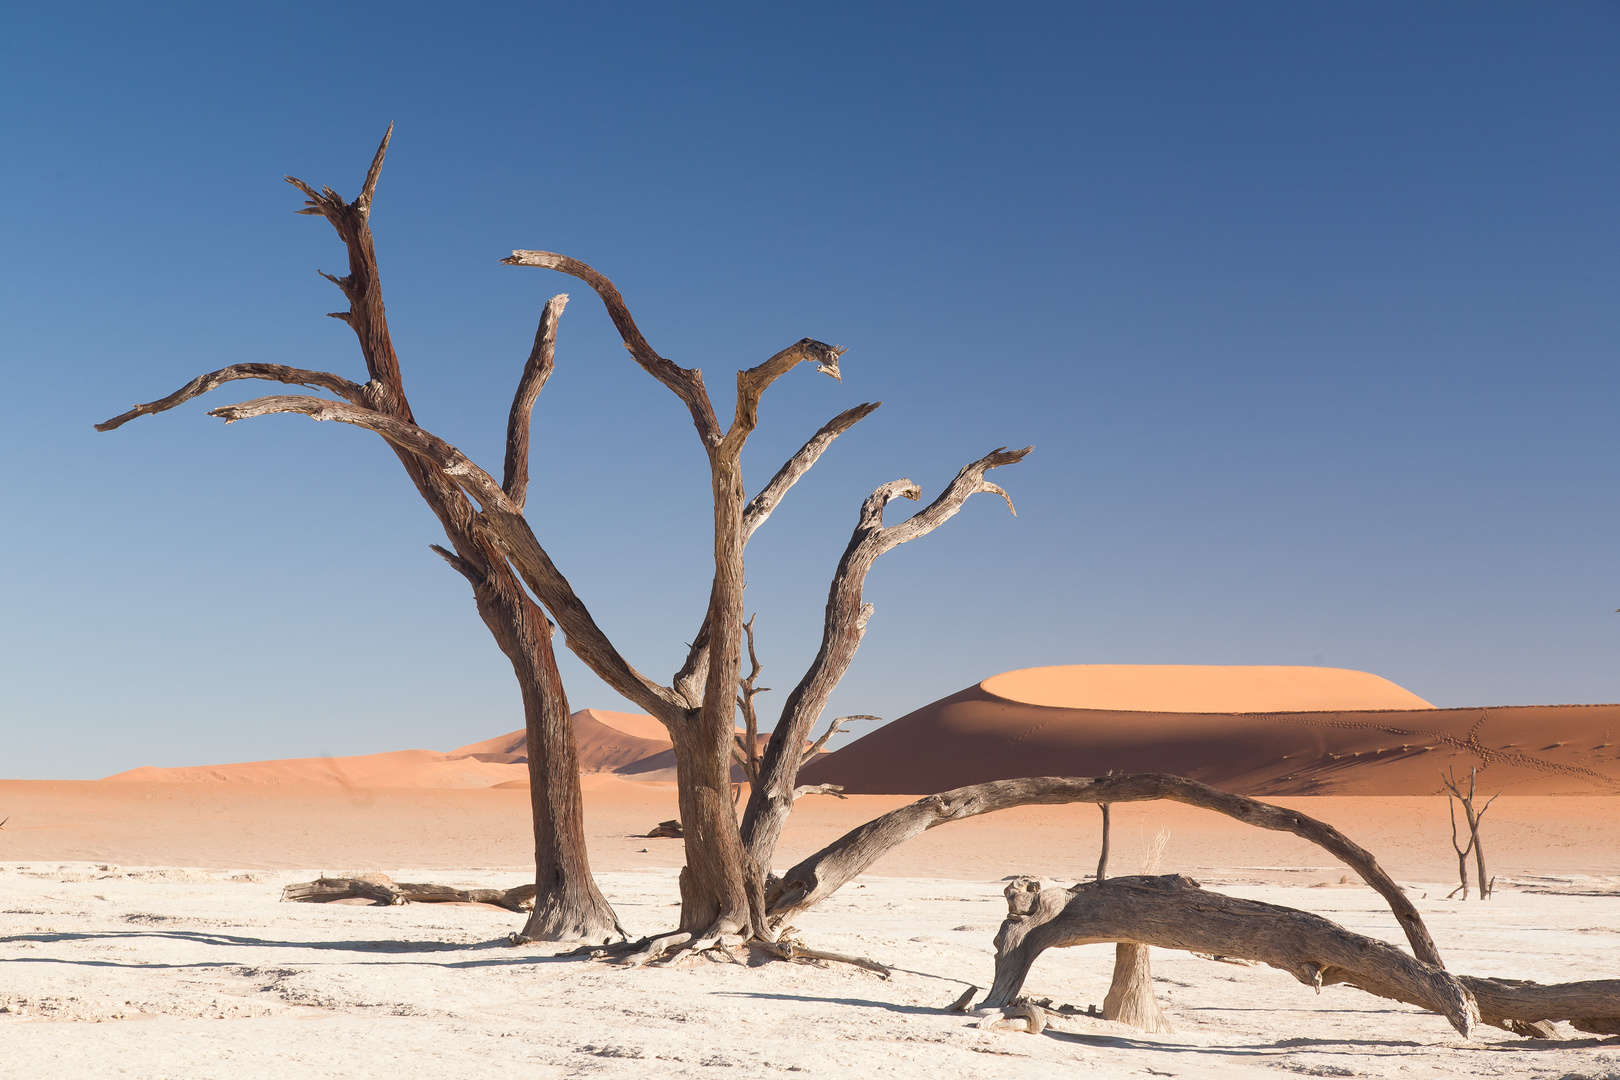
1130,997
568,906
1474,843
844,625
1462,854
568,902
1102,857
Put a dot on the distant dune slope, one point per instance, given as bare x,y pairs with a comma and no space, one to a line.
1282,733
628,745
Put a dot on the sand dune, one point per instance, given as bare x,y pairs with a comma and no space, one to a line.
1013,725
1200,688
1265,731
630,745
607,741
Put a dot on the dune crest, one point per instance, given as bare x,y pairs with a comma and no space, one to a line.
1200,688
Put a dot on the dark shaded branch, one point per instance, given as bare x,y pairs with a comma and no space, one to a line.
686,383
759,508
843,626
846,858
202,384
505,524
542,358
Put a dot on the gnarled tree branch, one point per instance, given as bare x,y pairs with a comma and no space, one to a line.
686,383
832,729
507,526
842,629
753,382
202,384
366,315
759,508
542,358
688,681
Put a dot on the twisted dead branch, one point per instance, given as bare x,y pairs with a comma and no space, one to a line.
1172,912
846,858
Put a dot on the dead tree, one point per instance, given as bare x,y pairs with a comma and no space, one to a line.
1462,851
568,906
1473,816
1172,912
726,875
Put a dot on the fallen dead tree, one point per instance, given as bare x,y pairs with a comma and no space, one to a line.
1173,912
383,890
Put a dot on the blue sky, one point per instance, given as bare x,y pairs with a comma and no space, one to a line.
1309,310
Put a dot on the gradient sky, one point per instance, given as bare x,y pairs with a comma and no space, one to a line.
1309,310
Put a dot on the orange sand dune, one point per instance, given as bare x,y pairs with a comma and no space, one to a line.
607,741
1201,688
630,745
1013,725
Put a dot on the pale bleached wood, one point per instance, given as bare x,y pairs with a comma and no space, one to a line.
383,890
1172,912
202,384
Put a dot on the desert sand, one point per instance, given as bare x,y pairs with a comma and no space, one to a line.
142,934
629,744
1264,731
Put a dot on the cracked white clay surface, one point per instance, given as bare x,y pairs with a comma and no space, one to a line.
109,971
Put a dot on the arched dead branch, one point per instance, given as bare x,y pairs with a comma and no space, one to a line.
846,858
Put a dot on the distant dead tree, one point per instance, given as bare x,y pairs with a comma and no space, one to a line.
568,905
1486,885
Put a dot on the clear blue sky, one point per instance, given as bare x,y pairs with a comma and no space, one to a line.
1309,310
